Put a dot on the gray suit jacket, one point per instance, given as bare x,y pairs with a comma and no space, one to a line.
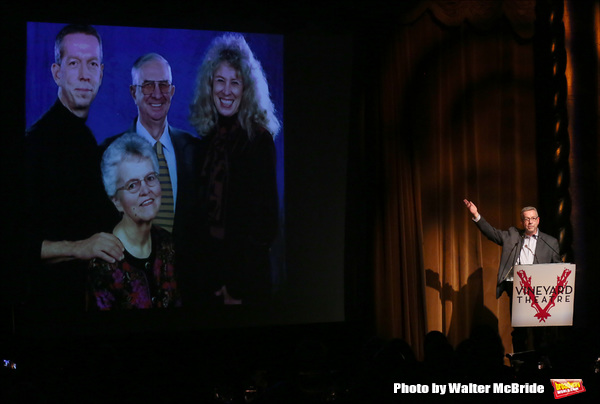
511,240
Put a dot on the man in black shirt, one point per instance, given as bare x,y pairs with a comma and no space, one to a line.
69,217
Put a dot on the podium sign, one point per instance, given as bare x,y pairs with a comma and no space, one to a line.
543,295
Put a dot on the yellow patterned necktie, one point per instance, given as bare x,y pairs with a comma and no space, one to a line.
166,212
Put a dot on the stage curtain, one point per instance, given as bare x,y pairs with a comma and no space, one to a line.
449,113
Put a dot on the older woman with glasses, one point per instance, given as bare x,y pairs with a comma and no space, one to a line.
234,115
145,278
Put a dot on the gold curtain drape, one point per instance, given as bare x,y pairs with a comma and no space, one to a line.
453,118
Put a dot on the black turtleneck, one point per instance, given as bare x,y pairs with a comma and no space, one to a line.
64,198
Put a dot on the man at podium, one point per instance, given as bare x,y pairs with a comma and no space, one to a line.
519,247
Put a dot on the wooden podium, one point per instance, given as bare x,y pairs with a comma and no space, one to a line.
543,295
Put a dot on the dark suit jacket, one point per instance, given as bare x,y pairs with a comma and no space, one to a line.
511,240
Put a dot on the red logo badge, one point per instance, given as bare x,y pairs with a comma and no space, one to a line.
567,387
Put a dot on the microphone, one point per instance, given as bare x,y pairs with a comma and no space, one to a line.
510,254
549,246
535,258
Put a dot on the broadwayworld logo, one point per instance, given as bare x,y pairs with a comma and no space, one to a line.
567,387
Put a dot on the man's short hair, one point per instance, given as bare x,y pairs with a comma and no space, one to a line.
142,60
528,208
73,29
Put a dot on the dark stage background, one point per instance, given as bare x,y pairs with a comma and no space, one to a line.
393,115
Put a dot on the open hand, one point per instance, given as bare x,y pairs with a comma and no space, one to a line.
472,208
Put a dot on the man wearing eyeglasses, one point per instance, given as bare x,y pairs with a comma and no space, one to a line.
152,90
519,246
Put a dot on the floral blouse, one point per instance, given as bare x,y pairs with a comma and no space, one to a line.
136,283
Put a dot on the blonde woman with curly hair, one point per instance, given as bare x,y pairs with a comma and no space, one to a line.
234,115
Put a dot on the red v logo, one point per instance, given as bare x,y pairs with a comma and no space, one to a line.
561,282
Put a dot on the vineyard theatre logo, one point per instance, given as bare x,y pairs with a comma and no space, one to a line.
567,387
538,295
543,295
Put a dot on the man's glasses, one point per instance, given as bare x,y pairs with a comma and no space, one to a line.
149,86
133,186
530,219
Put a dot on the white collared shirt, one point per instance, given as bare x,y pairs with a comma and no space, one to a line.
168,151
527,255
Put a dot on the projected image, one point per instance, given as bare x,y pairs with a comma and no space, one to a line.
188,208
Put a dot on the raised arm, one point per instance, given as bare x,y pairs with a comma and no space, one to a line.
497,236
